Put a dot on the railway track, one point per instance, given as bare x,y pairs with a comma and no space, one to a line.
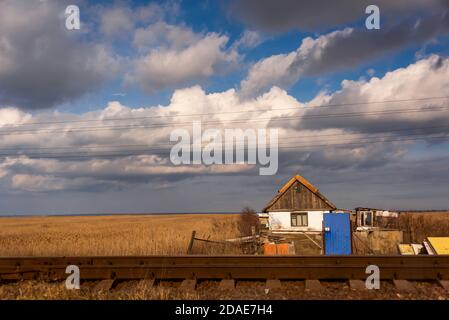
226,267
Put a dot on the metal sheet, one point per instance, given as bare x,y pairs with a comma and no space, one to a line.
428,248
337,233
439,244
417,248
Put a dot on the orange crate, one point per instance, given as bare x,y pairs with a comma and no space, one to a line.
269,249
283,248
276,249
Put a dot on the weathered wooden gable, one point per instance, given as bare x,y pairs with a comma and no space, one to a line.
299,194
299,197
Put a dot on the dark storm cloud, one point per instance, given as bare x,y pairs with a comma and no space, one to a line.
41,63
284,15
342,50
348,50
402,184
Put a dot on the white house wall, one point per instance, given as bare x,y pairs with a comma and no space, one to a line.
387,214
282,221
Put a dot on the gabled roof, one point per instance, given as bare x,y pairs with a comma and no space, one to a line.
304,182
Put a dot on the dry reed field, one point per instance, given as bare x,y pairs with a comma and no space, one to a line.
425,224
114,235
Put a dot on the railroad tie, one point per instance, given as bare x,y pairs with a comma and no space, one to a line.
404,285
272,284
188,285
357,285
313,285
227,284
104,285
444,284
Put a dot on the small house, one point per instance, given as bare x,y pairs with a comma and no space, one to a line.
298,206
367,218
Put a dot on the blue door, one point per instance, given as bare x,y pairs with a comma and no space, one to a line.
337,233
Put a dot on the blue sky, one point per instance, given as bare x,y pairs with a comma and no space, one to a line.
214,16
213,57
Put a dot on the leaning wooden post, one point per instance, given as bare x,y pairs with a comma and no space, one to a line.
192,239
254,244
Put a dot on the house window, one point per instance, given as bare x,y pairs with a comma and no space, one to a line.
367,218
299,219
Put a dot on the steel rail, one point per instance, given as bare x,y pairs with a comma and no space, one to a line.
226,267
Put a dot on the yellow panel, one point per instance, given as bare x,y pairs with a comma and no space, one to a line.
440,244
406,249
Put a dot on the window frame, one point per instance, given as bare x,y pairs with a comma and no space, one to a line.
303,218
365,215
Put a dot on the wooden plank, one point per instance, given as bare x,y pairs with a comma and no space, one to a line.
312,200
404,285
292,197
313,241
192,240
306,183
313,285
296,199
287,185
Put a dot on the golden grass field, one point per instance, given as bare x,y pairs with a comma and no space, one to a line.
109,235
425,224
113,235
149,234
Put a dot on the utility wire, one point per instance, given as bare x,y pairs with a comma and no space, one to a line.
294,138
233,112
80,155
279,118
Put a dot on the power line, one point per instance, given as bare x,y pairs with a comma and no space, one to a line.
80,155
235,112
336,135
279,118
